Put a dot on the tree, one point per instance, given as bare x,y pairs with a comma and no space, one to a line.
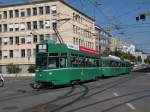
139,59
11,68
121,54
107,52
31,69
147,60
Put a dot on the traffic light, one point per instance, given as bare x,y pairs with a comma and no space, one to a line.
142,17
137,18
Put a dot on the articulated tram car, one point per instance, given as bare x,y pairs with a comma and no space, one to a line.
58,64
114,67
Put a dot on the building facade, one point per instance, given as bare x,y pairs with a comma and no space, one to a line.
104,40
25,24
97,38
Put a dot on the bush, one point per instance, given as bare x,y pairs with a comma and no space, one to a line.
31,69
11,68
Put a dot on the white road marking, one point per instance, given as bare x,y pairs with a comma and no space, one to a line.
115,94
130,106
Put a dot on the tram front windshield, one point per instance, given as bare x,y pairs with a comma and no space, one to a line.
41,61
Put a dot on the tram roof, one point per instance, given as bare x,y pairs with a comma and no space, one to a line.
111,59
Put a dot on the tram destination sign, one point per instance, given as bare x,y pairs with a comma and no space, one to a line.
42,48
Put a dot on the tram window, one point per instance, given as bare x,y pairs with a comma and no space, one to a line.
63,54
74,61
90,62
110,63
116,64
87,62
103,64
106,63
53,54
81,61
62,62
41,61
96,62
53,62
119,64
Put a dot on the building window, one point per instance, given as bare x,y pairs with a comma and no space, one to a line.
54,23
28,12
34,24
35,39
28,25
29,53
0,28
22,13
54,37
34,11
74,40
11,27
74,28
11,53
5,14
11,14
47,24
41,37
5,54
22,26
22,53
53,8
0,40
47,36
0,54
0,16
17,40
5,27
16,27
11,40
28,39
5,40
79,42
41,10
22,40
41,25
47,9
16,13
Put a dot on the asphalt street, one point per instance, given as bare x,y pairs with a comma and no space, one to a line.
125,93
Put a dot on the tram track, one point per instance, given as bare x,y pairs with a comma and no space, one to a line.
86,90
69,94
23,93
84,95
117,82
114,98
125,102
64,97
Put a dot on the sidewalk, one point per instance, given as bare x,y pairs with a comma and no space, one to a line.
19,75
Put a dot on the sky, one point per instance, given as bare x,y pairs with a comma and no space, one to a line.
119,16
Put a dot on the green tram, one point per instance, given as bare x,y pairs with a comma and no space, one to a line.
58,64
